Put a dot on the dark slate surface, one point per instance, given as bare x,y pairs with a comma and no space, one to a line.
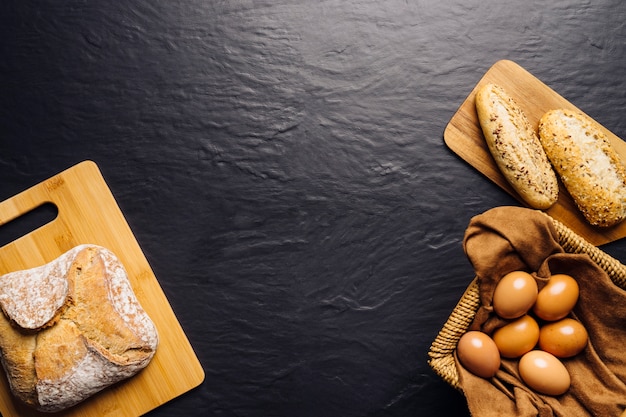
282,165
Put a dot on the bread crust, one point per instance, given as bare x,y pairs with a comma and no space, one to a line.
515,147
587,164
97,335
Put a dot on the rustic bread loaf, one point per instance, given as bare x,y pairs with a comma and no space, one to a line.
515,147
71,328
589,167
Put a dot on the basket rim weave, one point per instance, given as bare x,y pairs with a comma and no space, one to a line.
441,353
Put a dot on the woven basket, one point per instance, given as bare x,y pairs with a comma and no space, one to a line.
441,354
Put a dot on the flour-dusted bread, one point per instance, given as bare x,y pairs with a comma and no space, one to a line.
71,328
515,147
589,167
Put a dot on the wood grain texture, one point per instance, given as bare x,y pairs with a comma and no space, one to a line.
464,137
88,213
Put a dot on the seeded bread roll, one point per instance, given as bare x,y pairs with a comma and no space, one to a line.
70,328
515,147
589,167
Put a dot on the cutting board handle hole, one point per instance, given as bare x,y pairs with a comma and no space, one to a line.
27,222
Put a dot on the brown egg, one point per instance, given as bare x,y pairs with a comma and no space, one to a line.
514,295
478,354
557,298
564,338
544,373
518,337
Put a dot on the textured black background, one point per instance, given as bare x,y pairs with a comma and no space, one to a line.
282,165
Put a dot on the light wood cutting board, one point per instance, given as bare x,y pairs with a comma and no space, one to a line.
465,138
88,213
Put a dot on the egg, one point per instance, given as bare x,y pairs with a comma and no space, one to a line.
478,353
518,337
544,373
514,295
564,338
557,298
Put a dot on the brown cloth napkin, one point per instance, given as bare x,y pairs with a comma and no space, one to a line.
505,239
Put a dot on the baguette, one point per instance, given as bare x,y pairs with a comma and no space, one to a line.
71,328
515,147
588,166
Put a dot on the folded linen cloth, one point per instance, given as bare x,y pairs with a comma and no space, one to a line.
505,239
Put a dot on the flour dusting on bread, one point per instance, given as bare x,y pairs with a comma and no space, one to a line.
71,328
33,297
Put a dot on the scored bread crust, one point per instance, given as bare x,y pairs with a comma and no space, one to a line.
98,336
589,167
515,147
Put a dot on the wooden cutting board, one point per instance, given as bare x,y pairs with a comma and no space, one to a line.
464,137
88,213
